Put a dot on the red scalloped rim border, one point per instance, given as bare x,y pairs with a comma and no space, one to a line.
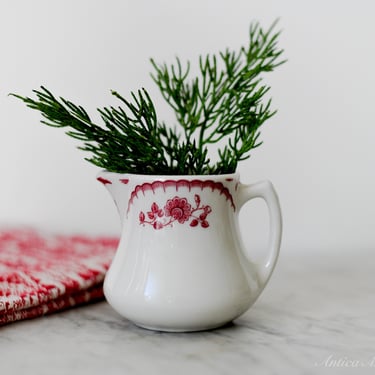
104,181
202,184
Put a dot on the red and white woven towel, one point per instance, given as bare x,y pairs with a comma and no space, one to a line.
41,274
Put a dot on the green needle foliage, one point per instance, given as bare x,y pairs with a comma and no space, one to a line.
224,105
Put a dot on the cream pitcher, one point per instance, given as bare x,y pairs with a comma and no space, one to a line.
181,264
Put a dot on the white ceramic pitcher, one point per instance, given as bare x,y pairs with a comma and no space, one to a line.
181,264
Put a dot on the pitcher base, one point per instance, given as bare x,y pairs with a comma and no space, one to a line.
183,329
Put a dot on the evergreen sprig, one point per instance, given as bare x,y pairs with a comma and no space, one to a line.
223,104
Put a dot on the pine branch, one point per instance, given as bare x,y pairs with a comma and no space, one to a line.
226,100
125,143
224,103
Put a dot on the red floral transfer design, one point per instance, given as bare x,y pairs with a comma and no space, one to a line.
176,210
181,184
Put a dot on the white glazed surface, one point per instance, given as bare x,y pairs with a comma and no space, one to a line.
171,276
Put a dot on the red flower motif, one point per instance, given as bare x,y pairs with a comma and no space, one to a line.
204,224
157,225
178,208
194,223
155,212
197,200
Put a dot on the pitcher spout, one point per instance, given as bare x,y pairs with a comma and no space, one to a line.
117,186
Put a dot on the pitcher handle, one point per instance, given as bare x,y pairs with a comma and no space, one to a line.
266,191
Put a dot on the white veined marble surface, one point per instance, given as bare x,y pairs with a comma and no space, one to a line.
316,316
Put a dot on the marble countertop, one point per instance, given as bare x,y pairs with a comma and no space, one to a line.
316,316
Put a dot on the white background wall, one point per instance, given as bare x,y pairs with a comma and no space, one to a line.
318,150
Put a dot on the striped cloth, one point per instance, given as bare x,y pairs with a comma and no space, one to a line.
42,273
